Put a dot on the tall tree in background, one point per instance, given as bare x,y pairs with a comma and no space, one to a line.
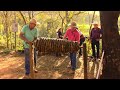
111,44
5,16
31,14
62,20
68,17
22,15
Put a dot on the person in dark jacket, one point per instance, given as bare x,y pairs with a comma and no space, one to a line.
95,36
59,33
59,36
82,39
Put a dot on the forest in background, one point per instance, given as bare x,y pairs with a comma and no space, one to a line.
50,22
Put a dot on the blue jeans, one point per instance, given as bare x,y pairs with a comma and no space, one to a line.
27,60
73,60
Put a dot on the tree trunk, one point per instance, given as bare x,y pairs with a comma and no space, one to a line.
10,41
6,27
22,17
7,37
62,21
32,14
67,19
111,41
91,22
62,24
29,14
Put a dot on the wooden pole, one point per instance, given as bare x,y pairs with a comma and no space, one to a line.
14,30
85,60
32,62
100,66
15,41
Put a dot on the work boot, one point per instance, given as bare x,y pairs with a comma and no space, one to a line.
72,71
26,77
35,70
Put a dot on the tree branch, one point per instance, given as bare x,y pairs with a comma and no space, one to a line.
61,16
29,14
22,17
78,13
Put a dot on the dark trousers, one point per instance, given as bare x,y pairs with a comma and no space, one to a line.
81,42
93,44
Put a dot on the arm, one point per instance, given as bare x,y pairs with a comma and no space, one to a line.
21,35
36,35
66,34
81,35
23,38
78,38
61,35
91,34
101,33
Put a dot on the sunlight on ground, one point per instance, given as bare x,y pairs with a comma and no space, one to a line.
56,75
59,62
49,67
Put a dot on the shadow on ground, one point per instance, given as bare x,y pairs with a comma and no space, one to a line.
51,67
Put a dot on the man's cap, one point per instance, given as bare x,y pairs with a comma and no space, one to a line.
94,23
73,24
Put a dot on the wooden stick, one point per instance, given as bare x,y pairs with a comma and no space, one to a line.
31,62
98,73
85,61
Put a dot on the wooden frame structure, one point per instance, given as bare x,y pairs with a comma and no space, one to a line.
32,74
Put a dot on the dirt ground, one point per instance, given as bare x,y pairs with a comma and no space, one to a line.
49,67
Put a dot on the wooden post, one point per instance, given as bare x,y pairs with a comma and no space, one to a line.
32,62
85,60
15,41
100,66
15,28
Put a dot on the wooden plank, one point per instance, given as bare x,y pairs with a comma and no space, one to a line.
100,65
15,41
32,62
85,61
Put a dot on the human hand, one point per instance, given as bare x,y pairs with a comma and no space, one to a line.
90,40
97,39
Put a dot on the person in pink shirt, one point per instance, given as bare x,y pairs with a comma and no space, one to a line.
73,35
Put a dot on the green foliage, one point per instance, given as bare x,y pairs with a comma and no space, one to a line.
89,49
84,28
43,31
2,40
52,31
6,51
43,17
